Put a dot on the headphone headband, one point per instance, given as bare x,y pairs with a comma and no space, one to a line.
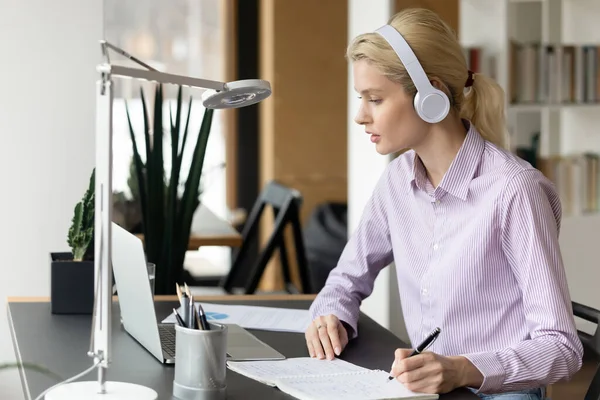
407,56
431,104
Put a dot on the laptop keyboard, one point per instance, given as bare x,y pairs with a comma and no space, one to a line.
167,339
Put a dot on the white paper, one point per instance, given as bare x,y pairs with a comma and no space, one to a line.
269,371
367,386
255,317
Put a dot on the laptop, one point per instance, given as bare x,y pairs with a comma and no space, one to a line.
139,317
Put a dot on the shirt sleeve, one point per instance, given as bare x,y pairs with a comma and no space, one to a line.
366,253
531,219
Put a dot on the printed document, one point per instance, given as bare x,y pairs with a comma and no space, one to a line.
255,317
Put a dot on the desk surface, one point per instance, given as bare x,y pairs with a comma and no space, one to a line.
211,231
61,342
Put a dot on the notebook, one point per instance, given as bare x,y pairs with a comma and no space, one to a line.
308,378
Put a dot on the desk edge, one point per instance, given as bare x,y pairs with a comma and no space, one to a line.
259,297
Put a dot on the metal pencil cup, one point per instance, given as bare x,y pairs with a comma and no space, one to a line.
200,363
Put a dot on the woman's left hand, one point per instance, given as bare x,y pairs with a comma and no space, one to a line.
432,373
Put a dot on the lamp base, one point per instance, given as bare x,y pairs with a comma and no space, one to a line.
89,390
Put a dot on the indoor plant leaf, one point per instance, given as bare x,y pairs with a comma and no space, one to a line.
185,132
139,170
172,192
190,198
155,178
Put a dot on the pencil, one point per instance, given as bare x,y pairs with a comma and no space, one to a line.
187,290
178,293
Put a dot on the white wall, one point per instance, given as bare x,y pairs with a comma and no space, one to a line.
365,166
49,52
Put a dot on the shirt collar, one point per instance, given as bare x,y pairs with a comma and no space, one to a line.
457,179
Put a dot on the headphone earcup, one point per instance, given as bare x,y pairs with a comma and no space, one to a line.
432,106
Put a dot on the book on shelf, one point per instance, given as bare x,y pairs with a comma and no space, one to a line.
312,379
480,61
577,180
554,74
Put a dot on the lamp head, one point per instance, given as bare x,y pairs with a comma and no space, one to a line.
237,94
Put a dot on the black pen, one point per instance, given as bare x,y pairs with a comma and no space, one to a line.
202,316
185,309
198,324
179,319
425,344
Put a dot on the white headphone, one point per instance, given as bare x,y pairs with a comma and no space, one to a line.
431,104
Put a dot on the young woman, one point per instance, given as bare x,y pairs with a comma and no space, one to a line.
472,229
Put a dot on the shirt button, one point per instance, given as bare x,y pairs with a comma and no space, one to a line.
424,291
435,246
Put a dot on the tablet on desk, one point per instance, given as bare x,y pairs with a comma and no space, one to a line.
244,346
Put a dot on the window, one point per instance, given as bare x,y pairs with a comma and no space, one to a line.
181,37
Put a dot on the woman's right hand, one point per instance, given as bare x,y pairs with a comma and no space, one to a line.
326,337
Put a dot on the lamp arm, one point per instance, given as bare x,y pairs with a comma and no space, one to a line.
106,45
161,77
152,74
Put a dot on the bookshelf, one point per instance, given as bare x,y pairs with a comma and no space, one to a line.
546,56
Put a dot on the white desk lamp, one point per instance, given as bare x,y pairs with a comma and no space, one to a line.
222,95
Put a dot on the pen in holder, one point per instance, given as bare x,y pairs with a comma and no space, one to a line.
185,309
200,363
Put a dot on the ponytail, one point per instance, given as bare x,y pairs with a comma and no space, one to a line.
483,105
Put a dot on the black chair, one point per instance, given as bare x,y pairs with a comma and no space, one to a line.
325,236
245,274
591,345
593,392
590,342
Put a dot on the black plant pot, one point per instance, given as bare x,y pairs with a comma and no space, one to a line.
71,285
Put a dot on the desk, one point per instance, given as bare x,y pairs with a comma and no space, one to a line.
61,342
212,231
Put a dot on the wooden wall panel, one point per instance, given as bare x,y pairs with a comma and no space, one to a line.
303,125
447,9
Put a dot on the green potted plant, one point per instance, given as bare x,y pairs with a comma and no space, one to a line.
72,273
166,213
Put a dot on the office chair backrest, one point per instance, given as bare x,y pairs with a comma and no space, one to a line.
591,344
286,203
593,392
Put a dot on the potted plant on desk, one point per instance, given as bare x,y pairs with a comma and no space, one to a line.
168,201
72,273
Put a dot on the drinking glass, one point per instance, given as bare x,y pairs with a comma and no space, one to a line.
151,267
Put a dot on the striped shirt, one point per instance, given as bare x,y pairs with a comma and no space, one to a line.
478,256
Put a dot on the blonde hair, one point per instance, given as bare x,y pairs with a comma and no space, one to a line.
441,55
